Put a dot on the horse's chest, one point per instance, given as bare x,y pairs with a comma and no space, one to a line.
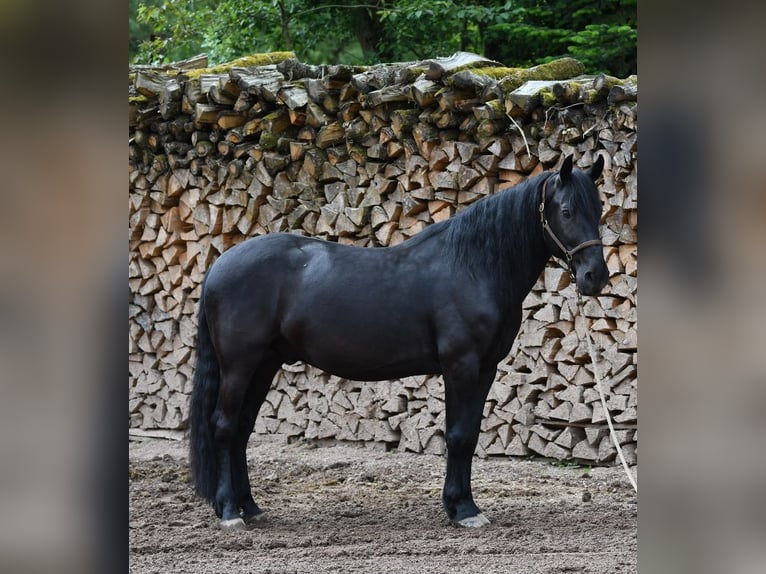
505,336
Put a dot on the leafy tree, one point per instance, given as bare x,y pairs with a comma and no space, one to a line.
137,31
601,33
172,29
228,29
606,48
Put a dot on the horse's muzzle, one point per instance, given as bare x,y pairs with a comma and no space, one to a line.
591,276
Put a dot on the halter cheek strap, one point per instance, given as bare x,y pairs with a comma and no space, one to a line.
568,252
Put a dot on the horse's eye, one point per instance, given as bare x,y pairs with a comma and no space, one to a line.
565,212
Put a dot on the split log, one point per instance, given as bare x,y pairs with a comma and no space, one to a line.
329,135
624,91
438,67
388,94
423,91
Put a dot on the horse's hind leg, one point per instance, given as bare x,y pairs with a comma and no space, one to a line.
259,387
235,383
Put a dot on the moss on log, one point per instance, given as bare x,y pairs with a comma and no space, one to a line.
250,61
561,69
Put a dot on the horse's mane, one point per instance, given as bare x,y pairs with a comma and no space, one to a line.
497,229
501,232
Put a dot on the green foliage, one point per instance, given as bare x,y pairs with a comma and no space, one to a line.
415,29
606,48
174,31
228,29
600,33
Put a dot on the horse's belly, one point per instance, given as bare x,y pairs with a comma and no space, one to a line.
381,372
364,354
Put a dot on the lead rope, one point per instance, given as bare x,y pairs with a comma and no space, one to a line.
592,352
568,253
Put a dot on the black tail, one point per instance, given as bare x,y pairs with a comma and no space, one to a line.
202,456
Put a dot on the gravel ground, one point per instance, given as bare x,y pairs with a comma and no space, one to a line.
359,509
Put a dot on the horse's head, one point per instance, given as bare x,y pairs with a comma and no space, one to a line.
570,211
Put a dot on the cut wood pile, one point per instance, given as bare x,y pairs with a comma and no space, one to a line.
371,156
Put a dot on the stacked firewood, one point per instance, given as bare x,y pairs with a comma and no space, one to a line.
370,157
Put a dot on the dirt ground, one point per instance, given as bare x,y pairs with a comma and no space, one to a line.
354,509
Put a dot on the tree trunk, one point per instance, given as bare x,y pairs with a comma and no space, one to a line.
369,32
285,18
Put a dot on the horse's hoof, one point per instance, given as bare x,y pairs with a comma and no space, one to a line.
233,524
253,518
477,521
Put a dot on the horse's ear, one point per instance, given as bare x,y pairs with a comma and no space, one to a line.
565,173
596,168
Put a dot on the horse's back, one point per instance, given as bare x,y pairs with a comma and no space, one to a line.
270,249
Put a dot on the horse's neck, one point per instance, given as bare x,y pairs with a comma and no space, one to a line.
500,242
525,267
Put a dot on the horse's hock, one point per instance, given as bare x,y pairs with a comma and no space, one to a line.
370,156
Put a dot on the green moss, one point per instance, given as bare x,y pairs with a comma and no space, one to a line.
498,106
244,62
591,96
268,141
473,66
138,99
561,69
407,117
496,73
413,72
547,97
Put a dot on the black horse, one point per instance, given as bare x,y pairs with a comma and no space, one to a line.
447,301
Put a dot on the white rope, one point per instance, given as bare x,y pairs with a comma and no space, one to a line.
601,393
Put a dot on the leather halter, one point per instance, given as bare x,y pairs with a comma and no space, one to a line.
568,252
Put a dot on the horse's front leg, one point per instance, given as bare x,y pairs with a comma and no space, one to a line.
466,389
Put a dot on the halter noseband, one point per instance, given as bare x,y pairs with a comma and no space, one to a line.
568,252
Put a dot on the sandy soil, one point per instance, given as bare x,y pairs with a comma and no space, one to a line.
353,509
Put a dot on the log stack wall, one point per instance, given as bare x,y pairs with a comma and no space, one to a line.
370,157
